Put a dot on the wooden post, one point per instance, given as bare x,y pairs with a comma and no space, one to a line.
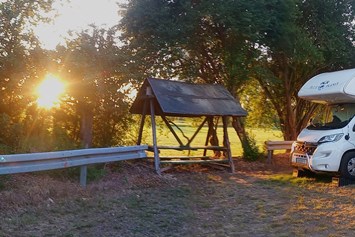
208,134
154,131
226,143
144,112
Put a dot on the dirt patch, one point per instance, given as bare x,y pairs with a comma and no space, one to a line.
260,199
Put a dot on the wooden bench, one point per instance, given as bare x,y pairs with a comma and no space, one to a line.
271,146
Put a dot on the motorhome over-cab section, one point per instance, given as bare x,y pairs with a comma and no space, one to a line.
330,88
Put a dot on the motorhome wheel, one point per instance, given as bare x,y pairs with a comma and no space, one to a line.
347,166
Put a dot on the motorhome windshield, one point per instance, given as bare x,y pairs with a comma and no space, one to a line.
333,117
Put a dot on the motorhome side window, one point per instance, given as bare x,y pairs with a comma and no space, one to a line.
332,117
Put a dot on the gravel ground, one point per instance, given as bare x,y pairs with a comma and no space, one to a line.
260,199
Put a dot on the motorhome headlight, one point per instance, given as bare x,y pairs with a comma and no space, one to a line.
331,138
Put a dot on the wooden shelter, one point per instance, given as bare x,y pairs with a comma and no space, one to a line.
164,98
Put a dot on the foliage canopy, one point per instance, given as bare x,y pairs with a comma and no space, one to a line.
263,51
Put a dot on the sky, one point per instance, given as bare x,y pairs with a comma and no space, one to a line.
77,15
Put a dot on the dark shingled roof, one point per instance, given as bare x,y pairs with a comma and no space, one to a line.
174,98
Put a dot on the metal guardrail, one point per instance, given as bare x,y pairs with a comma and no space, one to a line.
21,163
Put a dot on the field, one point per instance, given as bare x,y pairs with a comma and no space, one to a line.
260,199
164,137
130,199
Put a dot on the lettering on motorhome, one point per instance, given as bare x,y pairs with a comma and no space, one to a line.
324,84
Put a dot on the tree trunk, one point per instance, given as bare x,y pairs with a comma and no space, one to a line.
293,113
212,135
250,150
290,125
239,127
87,118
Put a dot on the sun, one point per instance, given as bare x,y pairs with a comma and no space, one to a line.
49,92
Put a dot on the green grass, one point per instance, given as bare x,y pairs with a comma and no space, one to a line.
165,137
181,203
288,179
3,180
94,172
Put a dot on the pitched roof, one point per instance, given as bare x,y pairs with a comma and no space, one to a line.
174,98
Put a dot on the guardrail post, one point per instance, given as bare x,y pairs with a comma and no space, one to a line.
270,154
83,175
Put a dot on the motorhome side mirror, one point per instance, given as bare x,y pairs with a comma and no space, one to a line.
354,128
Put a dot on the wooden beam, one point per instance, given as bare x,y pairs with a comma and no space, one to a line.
144,112
193,161
183,157
154,130
226,143
197,131
192,148
208,134
172,130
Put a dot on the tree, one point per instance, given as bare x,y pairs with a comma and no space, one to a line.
89,63
210,41
306,38
18,48
261,113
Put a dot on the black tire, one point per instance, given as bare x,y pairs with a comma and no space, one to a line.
347,166
298,173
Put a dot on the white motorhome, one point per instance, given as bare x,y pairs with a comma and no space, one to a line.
327,144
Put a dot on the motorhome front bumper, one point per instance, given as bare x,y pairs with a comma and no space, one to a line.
302,154
316,157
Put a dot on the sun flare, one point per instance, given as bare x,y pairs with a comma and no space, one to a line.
49,92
